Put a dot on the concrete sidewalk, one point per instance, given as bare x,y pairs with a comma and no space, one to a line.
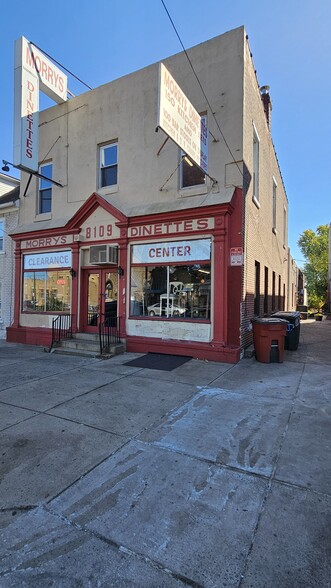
209,475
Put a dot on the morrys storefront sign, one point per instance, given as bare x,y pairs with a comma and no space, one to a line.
172,251
180,121
33,72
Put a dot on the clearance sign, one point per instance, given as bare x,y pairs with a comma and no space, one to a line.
33,71
179,119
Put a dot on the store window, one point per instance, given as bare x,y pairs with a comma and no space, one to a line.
2,235
171,288
108,165
47,291
47,282
45,188
191,174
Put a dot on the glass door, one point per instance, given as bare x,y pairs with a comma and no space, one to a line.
99,302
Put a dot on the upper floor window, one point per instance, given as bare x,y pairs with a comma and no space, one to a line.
2,235
256,163
45,188
108,165
191,174
274,204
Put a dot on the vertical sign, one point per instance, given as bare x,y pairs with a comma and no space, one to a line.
179,119
32,70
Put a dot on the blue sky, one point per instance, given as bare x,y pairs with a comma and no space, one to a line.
291,45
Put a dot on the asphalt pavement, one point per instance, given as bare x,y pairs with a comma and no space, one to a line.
210,475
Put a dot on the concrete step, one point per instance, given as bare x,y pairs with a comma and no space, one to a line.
86,336
76,352
84,344
87,348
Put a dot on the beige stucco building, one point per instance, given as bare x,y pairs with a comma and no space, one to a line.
9,201
125,188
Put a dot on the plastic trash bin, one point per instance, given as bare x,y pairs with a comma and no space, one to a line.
292,335
268,336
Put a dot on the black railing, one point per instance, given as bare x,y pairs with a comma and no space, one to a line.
61,329
109,332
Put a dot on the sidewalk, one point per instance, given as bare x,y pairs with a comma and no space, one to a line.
208,475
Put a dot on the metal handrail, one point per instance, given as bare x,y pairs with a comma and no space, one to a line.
109,332
61,329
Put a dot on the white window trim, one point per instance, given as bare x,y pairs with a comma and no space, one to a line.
196,188
43,214
112,187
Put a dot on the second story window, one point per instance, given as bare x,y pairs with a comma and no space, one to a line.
191,174
256,164
45,188
108,165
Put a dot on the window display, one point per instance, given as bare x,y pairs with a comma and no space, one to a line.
47,291
176,291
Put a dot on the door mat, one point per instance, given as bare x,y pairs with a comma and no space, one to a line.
159,361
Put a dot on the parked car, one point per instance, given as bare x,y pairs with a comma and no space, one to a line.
157,310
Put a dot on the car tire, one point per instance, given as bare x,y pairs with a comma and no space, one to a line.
151,313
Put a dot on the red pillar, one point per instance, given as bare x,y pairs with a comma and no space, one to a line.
74,286
220,281
17,284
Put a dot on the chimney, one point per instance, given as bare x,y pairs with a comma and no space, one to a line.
265,97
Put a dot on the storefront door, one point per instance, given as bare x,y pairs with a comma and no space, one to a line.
99,299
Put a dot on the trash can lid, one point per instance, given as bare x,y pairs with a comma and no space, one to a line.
269,320
286,314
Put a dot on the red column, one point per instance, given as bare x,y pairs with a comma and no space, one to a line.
220,281
74,286
123,277
17,284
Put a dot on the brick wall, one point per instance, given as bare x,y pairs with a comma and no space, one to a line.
263,243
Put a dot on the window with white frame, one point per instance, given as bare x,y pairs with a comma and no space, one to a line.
171,280
2,235
274,205
256,163
45,188
108,165
190,174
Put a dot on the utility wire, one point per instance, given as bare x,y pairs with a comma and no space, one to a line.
60,64
196,76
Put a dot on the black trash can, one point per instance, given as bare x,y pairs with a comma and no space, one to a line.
292,337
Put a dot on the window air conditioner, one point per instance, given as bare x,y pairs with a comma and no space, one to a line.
106,254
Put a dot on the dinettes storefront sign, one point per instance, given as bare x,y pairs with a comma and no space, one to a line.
167,228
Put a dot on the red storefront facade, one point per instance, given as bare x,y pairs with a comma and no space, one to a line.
174,279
